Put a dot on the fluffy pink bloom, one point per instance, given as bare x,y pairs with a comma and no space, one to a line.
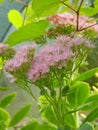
25,50
51,55
70,42
6,51
71,19
3,48
14,64
63,39
21,60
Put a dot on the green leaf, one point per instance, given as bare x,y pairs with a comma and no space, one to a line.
30,126
38,126
92,115
87,126
69,120
7,100
47,113
4,119
78,94
27,32
20,115
91,102
15,18
45,127
88,11
86,75
64,128
39,6
5,88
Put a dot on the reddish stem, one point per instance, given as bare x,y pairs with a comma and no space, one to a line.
68,6
87,27
21,2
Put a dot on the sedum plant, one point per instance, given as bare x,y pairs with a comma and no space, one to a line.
66,100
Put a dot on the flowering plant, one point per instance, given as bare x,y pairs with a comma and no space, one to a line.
54,68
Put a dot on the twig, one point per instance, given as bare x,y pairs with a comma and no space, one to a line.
25,12
77,25
77,12
68,6
80,5
21,2
87,27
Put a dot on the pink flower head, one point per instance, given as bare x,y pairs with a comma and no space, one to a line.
21,60
14,64
63,39
76,41
71,19
51,55
3,48
6,51
25,51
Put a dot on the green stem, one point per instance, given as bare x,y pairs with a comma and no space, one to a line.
25,12
77,119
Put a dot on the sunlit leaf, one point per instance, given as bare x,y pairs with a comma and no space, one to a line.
15,18
4,119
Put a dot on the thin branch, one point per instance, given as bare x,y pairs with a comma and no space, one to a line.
87,27
21,2
68,6
77,25
25,13
77,12
80,5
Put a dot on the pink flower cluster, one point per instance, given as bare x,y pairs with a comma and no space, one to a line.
55,55
3,48
70,42
51,55
6,51
21,59
71,19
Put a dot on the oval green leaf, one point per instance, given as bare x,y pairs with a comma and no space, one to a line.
69,120
78,94
7,100
15,18
86,75
4,119
20,115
